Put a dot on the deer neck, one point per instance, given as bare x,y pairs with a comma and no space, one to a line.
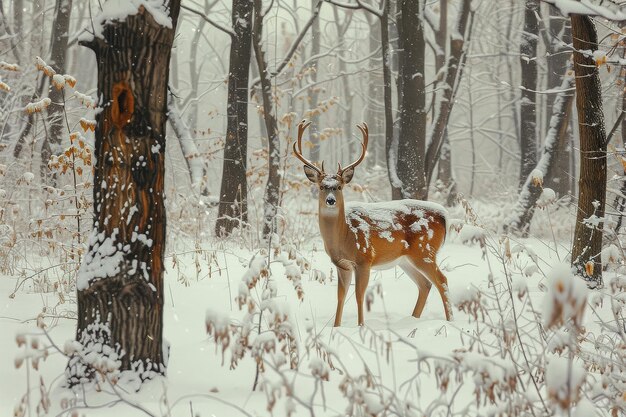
335,231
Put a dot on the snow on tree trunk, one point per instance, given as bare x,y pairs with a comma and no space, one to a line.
120,281
587,246
233,207
454,71
194,161
272,188
528,113
412,138
557,62
519,221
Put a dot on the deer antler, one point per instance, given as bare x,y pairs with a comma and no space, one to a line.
365,132
297,147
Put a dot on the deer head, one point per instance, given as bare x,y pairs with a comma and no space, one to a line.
330,185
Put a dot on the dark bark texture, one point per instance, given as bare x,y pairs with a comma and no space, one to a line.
233,207
272,188
412,138
120,283
587,246
528,113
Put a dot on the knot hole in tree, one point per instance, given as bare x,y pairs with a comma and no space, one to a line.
123,104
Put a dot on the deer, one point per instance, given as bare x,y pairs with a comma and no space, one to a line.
359,237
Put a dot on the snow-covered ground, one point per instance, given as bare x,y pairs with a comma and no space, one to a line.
198,384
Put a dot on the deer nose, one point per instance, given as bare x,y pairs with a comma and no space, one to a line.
330,200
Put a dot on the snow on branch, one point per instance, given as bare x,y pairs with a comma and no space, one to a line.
118,10
608,9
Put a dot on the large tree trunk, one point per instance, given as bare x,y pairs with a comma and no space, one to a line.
528,113
233,207
272,188
412,139
53,143
560,31
120,282
587,247
548,165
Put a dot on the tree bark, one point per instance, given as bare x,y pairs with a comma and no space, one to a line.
120,282
412,139
561,33
587,246
53,143
271,198
233,207
519,221
528,113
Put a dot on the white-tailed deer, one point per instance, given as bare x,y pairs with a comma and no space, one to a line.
363,236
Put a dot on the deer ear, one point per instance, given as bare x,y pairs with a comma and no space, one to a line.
311,174
347,175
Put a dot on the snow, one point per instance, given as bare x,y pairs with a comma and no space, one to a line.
566,297
381,217
118,10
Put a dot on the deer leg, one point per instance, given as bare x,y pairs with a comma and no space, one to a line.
428,267
423,285
362,277
345,277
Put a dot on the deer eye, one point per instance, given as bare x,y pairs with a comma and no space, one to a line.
339,188
321,188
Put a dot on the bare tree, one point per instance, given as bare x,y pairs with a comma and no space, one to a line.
587,246
120,282
233,206
272,188
528,114
547,167
53,142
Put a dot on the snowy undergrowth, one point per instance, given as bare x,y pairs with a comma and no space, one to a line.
524,341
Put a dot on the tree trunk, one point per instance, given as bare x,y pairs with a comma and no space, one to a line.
446,182
557,61
120,282
528,113
233,208
374,116
454,72
271,198
391,151
620,199
313,93
53,143
412,139
519,221
587,246
193,159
